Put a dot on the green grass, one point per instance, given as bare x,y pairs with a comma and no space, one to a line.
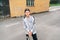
54,4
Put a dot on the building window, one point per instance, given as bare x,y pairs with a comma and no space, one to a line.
30,2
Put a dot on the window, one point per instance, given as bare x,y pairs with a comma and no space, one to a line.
30,2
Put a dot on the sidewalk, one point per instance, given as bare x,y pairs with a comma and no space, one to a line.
54,8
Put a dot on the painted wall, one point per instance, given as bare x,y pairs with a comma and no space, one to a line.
17,7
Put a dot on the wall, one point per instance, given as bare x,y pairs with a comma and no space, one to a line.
17,7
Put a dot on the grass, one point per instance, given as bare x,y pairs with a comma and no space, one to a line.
54,4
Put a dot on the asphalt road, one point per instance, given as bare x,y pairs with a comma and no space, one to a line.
47,26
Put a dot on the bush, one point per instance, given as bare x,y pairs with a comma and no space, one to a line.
53,1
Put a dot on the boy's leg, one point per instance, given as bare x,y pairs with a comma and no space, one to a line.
34,37
27,36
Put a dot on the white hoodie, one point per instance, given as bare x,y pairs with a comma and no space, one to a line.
29,24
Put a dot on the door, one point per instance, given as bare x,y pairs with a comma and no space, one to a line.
5,8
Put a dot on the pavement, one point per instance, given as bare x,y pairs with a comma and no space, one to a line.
47,26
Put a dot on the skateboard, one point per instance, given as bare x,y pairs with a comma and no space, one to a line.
30,38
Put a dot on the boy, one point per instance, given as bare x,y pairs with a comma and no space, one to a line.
29,25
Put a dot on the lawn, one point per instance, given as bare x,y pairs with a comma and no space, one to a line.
54,4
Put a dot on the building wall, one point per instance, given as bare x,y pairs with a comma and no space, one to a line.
40,6
17,7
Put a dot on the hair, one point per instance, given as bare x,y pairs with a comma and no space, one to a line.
25,11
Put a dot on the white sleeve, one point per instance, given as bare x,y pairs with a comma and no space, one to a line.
25,26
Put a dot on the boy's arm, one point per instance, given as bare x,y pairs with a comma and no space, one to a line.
25,27
33,22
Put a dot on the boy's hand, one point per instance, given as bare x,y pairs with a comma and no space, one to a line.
30,33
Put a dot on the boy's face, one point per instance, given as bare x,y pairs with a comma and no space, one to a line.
27,13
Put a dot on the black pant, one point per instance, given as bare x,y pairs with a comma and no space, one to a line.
34,36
